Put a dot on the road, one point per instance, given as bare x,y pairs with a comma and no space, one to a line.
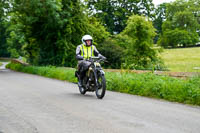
34,104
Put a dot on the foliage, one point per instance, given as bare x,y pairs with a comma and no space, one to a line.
47,32
150,85
133,48
182,24
160,17
114,13
16,40
177,90
113,52
97,31
175,38
3,25
137,38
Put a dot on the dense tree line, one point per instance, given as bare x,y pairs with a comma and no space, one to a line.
3,26
46,32
182,24
114,13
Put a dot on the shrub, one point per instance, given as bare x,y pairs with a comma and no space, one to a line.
137,38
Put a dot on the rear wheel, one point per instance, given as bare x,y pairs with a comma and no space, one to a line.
101,88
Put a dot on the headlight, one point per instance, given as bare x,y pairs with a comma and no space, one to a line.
97,64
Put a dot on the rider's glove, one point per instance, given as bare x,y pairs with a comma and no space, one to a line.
79,57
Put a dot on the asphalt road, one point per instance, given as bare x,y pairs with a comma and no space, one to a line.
34,104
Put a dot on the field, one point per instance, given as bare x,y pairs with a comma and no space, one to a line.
182,59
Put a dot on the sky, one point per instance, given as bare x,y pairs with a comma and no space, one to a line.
157,2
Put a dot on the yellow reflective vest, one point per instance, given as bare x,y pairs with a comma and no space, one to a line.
87,52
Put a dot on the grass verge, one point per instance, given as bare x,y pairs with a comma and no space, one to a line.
147,84
182,59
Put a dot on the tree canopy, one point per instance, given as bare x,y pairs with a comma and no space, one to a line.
114,13
138,37
4,7
182,24
48,31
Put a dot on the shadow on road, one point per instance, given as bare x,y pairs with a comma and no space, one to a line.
77,95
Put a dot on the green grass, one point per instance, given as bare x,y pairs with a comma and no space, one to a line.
59,73
182,59
1,64
148,84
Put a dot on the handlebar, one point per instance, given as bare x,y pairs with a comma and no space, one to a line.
93,59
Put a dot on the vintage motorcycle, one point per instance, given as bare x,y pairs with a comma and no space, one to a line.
94,79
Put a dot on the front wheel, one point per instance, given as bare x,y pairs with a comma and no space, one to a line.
81,87
82,90
101,88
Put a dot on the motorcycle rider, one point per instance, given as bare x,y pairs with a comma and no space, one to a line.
83,54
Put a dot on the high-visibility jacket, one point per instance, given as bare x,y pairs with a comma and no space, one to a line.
87,52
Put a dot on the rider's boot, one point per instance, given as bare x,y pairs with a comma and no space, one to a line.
80,81
76,74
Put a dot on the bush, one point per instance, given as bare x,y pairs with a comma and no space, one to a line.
137,38
181,26
175,38
150,85
113,52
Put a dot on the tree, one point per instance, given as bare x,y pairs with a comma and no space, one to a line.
194,7
138,41
182,23
114,13
174,7
47,32
160,17
177,37
97,30
15,40
113,52
3,25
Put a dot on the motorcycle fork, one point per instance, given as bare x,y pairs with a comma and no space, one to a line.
95,76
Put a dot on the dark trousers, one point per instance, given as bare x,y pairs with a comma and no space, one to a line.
83,67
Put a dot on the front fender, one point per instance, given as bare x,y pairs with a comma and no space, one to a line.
102,72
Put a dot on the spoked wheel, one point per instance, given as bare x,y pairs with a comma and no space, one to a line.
101,88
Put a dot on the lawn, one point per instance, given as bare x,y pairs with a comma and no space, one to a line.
182,59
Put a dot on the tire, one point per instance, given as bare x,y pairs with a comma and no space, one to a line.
82,90
101,88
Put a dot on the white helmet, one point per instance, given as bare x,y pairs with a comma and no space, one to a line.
85,38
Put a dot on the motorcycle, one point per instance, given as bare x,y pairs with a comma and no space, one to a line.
94,79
